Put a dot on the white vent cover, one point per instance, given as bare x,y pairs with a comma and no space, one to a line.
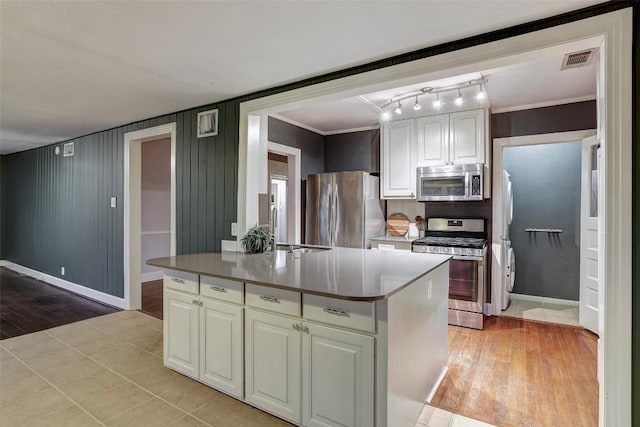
68,149
577,59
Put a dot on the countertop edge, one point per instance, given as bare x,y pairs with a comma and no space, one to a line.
301,290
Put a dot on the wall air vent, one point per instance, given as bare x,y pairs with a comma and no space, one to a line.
577,59
68,149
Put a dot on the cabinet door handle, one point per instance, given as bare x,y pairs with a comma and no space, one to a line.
194,301
304,329
296,326
336,312
268,298
218,289
200,303
175,279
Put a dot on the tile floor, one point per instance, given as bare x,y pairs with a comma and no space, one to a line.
563,314
107,371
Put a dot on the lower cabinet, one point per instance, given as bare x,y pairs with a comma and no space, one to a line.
331,370
181,319
221,346
272,363
203,340
337,377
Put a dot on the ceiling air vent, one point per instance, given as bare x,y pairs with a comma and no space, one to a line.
577,59
68,149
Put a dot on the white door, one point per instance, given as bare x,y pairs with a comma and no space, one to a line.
589,286
467,136
398,160
181,332
279,192
221,346
337,381
272,364
432,135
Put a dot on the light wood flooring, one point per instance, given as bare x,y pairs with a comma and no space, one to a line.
520,373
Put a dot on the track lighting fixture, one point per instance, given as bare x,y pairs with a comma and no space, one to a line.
437,102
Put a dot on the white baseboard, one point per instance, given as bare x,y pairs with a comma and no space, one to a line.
436,386
65,284
151,276
544,299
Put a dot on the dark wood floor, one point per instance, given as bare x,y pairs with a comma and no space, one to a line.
29,305
522,373
152,298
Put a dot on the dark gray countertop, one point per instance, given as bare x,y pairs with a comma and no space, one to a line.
353,274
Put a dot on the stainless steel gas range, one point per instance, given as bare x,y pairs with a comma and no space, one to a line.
466,241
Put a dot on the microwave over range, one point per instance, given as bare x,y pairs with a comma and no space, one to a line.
450,182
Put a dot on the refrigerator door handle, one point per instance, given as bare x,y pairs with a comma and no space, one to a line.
330,213
334,220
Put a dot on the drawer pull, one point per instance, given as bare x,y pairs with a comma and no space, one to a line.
175,279
268,298
218,289
336,312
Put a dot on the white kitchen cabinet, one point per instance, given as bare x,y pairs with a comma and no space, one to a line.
398,171
337,379
432,139
181,318
272,363
221,346
467,136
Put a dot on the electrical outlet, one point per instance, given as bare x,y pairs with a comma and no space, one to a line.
234,228
429,289
62,270
114,202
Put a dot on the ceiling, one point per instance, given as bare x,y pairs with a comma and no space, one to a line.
535,82
72,68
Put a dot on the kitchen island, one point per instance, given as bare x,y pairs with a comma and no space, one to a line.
345,337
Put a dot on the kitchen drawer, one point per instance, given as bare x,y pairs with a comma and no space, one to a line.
181,281
221,289
358,315
272,299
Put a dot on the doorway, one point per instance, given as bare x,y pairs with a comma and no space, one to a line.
284,191
156,226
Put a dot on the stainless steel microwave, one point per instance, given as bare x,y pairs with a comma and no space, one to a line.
450,182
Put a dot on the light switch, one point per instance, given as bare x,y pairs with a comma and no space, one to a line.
113,202
429,289
234,228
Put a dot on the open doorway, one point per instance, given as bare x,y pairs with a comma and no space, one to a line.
149,205
284,192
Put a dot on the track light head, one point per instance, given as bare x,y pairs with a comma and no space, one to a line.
458,101
385,116
481,93
398,109
417,105
436,102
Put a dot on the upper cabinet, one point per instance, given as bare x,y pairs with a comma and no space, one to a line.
444,139
398,166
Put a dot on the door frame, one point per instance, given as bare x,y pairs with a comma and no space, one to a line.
614,30
131,207
294,198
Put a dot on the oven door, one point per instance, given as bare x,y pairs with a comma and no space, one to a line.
466,283
443,187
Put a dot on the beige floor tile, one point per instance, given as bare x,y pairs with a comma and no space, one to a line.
91,347
14,373
26,384
435,417
262,419
141,363
65,372
109,403
82,388
152,413
34,406
34,346
155,323
65,355
462,421
71,330
225,411
190,395
72,416
188,421
144,337
118,355
159,380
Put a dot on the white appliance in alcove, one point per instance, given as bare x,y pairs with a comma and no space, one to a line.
508,254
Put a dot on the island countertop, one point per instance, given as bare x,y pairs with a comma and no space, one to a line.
352,274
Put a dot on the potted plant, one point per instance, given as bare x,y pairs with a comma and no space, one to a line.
257,240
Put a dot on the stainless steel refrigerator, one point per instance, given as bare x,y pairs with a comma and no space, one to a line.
343,209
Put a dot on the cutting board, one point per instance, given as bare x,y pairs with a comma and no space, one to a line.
397,224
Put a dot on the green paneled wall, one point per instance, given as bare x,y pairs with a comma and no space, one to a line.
59,212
